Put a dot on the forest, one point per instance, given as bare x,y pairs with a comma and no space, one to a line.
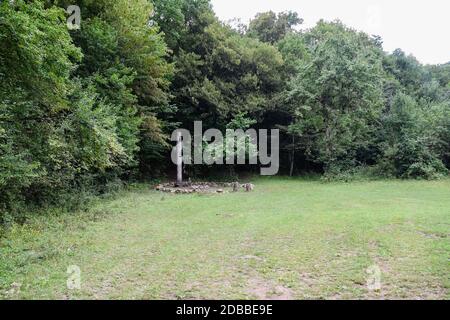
85,111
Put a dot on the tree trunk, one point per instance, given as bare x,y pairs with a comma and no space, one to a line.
291,172
231,171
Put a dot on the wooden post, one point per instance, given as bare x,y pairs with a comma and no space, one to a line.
179,160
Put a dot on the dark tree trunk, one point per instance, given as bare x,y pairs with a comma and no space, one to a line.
291,172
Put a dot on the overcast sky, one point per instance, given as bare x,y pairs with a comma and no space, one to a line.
420,27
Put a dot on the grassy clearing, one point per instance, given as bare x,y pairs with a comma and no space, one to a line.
290,239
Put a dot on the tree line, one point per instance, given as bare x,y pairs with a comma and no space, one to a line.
83,111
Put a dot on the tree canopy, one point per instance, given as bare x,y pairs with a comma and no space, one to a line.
88,109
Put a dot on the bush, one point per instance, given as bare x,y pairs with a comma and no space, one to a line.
349,174
414,147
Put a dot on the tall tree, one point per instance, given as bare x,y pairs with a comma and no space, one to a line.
336,96
271,27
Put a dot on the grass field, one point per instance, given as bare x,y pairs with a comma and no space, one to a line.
289,239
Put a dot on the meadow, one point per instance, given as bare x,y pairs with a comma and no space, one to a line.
291,238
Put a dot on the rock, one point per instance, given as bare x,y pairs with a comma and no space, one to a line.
199,187
249,187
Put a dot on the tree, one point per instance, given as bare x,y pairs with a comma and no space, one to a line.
271,27
63,126
170,18
336,95
219,73
36,59
125,59
412,147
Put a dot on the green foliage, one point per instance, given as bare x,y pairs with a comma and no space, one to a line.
170,18
342,173
83,110
271,27
233,145
219,73
67,127
413,148
36,54
37,58
336,96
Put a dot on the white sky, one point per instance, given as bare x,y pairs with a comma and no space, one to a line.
419,27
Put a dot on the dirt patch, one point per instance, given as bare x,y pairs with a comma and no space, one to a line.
432,235
264,290
308,279
251,257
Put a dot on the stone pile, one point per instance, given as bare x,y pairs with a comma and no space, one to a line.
202,187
